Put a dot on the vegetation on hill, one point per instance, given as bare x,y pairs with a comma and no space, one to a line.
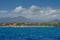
30,24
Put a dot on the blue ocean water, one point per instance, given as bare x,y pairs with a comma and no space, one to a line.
29,33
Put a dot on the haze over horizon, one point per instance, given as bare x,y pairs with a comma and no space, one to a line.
30,9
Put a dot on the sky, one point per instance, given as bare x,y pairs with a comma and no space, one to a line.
11,4
31,9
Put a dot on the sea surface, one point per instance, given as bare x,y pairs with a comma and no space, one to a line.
29,33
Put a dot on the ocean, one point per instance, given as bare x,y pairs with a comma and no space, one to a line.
29,33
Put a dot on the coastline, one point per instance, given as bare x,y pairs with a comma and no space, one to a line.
27,26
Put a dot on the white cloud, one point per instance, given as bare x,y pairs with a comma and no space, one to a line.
38,13
18,9
34,12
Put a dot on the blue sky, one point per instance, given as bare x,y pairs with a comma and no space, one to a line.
11,4
31,9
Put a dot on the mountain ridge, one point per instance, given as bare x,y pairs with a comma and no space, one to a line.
23,19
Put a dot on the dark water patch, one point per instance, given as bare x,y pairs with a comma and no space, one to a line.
30,33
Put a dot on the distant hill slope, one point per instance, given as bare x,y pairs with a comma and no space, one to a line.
23,19
55,20
16,19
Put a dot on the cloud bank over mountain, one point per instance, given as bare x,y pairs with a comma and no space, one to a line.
33,12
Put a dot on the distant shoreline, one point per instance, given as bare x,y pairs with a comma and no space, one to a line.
29,26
